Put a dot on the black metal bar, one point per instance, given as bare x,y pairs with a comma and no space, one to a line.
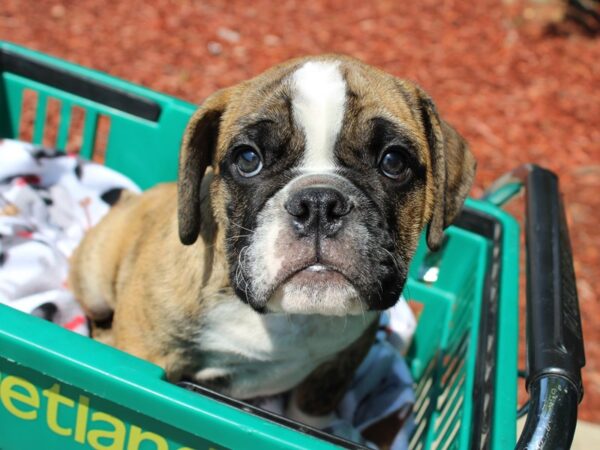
78,85
554,338
267,415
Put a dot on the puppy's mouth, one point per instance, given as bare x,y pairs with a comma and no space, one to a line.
314,273
314,288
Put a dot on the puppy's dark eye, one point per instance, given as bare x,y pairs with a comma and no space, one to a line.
393,164
248,161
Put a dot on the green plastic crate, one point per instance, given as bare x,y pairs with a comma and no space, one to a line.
59,390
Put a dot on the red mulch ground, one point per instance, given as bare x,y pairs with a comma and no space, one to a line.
516,91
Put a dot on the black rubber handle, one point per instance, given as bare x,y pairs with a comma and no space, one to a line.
554,338
555,342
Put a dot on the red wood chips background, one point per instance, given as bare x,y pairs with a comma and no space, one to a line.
517,91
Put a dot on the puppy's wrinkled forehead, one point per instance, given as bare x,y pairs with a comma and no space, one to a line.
320,100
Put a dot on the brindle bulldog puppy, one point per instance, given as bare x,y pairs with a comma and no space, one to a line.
301,196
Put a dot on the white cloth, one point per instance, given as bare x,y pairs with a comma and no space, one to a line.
48,200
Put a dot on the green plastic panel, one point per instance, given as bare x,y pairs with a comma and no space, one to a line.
55,369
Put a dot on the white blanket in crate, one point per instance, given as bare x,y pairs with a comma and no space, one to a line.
48,200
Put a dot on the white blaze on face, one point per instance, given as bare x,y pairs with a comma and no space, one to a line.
318,92
319,98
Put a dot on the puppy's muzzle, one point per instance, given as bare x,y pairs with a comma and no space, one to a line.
318,210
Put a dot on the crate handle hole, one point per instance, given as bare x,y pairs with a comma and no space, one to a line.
52,120
75,139
29,103
101,140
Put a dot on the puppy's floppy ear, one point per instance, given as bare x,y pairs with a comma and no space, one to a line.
197,152
453,169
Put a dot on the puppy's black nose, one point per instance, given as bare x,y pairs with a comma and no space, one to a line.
318,209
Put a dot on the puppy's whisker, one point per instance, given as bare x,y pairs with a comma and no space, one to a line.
240,270
363,312
232,238
242,227
394,260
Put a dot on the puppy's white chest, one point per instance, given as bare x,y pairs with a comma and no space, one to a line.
264,354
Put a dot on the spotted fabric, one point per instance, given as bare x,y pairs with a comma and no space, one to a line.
48,200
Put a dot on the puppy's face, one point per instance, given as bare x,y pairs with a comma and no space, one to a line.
326,171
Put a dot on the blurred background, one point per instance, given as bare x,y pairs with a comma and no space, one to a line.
520,79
